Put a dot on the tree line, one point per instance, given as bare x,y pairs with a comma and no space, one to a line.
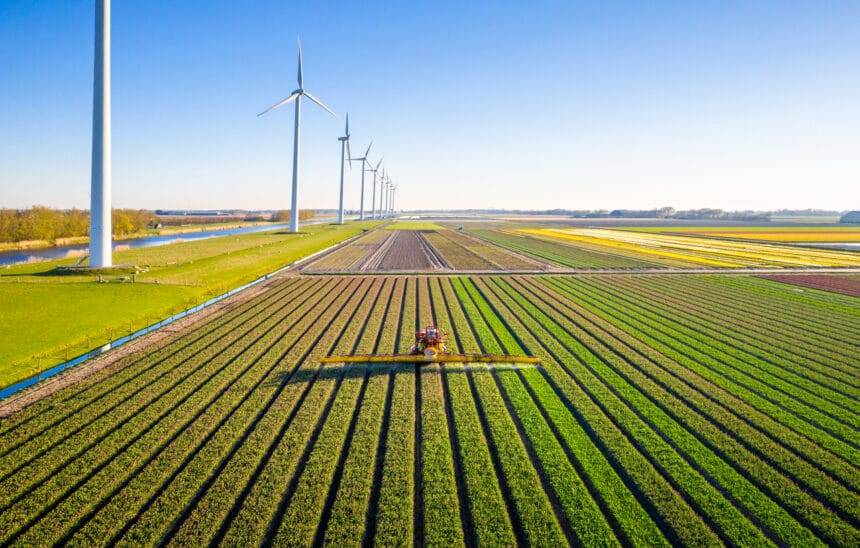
44,223
284,215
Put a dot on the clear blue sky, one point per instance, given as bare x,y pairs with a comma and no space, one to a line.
493,104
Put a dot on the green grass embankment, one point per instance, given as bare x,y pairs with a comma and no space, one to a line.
46,318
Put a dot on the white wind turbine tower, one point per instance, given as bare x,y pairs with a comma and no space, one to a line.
344,143
383,190
100,182
373,200
364,163
296,96
388,198
386,184
382,195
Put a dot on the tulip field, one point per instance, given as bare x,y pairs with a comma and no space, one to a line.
694,250
422,249
697,410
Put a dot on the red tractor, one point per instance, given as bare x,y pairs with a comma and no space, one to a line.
429,341
430,347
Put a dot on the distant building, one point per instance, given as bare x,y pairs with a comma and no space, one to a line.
851,217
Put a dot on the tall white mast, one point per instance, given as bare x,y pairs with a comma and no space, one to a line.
100,183
363,161
344,144
373,199
294,201
297,97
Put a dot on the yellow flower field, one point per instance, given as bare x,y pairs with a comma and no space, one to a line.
806,234
699,251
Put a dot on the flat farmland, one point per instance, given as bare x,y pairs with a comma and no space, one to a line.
565,255
805,234
421,247
847,285
693,250
666,410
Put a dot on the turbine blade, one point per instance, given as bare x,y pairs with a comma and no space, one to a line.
366,152
378,164
299,45
349,153
293,96
317,101
347,127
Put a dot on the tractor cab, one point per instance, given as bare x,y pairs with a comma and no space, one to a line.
429,341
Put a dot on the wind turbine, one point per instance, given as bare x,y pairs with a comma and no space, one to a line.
100,181
393,194
344,143
382,194
364,163
373,201
386,185
296,96
388,198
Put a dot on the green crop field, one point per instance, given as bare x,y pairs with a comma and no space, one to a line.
413,225
48,318
694,410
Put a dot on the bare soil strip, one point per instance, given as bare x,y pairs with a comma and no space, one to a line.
373,260
437,260
407,253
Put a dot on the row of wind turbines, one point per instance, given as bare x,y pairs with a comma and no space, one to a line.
387,188
100,183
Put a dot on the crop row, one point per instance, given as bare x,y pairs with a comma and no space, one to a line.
724,371
87,421
680,376
810,321
35,418
643,425
823,450
561,254
779,337
495,254
703,251
457,255
186,420
690,409
766,364
802,362
119,427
